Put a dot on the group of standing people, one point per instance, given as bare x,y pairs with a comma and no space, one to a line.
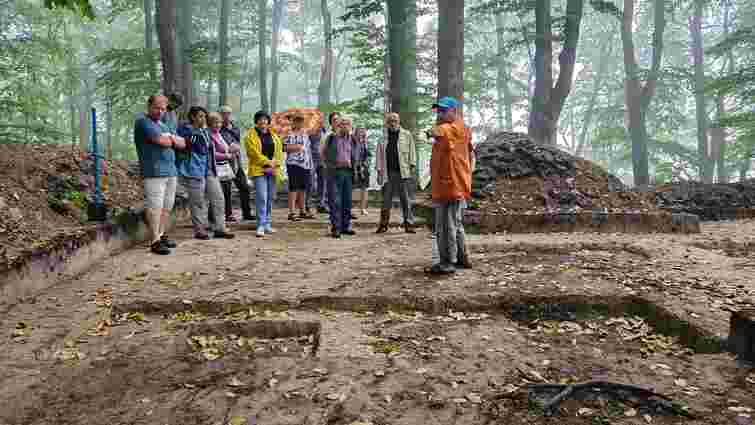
323,166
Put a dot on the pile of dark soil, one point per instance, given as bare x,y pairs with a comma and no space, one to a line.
514,175
44,191
709,201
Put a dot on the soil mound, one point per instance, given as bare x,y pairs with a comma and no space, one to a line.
709,201
45,189
515,175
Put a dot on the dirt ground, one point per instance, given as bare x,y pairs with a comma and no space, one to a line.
299,328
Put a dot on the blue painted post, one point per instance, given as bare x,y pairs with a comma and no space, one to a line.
99,208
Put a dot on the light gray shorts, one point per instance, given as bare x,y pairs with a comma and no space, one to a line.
160,192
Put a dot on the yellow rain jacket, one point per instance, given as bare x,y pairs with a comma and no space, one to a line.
257,161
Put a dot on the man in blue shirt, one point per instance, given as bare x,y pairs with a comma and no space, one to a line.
156,145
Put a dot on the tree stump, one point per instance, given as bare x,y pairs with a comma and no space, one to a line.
742,334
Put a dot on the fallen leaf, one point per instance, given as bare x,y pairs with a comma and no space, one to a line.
238,420
235,382
474,398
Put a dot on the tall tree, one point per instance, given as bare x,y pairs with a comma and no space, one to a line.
705,161
185,32
225,13
167,17
261,27
451,48
274,60
639,96
548,100
402,49
504,100
326,73
149,34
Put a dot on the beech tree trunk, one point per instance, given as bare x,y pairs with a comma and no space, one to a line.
548,100
705,159
261,27
167,16
402,50
185,41
274,63
597,79
639,96
149,34
450,49
326,74
504,98
225,12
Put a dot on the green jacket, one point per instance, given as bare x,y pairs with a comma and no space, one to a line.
407,155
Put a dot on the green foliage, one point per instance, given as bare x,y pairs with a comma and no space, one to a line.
80,6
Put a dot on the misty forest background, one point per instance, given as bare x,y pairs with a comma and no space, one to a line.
654,90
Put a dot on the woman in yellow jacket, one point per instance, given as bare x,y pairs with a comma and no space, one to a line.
264,149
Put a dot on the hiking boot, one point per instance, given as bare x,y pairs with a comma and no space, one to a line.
167,242
158,248
224,235
385,217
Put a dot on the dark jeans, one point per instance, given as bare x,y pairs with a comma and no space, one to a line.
340,185
322,189
242,183
226,185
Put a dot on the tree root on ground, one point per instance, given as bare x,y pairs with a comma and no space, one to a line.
618,391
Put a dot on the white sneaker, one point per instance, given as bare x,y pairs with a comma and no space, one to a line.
270,230
260,233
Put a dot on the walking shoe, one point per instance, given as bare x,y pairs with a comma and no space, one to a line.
224,235
260,232
249,218
353,217
231,219
202,236
158,248
334,233
349,232
269,230
408,228
293,217
306,215
382,229
441,269
365,212
322,210
167,242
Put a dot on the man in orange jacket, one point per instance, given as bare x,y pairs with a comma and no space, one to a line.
451,173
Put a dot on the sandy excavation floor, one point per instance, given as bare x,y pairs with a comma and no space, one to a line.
299,328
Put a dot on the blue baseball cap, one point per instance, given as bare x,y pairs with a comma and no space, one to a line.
447,103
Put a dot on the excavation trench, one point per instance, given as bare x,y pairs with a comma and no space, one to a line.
520,307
